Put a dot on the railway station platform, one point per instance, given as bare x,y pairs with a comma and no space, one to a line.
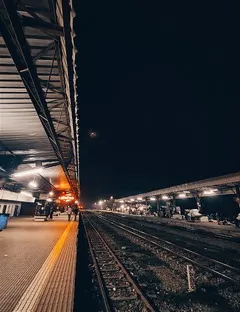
204,226
215,228
37,265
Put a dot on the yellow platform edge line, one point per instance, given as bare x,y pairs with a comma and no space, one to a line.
31,296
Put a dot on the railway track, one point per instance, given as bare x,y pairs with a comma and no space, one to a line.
216,268
118,289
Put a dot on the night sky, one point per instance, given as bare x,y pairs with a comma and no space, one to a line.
159,83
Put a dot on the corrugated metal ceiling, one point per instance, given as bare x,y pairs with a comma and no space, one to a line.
21,129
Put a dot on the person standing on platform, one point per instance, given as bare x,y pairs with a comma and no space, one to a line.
51,212
75,211
69,212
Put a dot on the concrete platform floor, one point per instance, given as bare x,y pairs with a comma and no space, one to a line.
25,247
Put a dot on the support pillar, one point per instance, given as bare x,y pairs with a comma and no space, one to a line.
158,206
168,209
237,198
173,204
36,195
146,202
198,199
237,190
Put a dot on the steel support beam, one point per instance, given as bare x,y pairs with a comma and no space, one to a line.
43,52
27,162
158,206
48,85
46,27
68,20
60,122
65,138
227,181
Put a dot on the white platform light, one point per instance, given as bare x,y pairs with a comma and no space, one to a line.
210,192
165,197
182,195
152,198
27,172
33,184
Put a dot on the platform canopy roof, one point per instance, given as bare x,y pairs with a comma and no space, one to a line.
222,185
38,109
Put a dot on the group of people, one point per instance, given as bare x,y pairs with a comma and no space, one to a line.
73,211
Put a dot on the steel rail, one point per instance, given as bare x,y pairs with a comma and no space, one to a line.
227,266
98,272
124,270
219,274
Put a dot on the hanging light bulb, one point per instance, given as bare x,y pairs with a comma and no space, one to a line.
33,184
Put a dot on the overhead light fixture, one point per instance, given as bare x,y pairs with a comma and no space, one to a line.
25,193
33,184
152,198
111,197
210,192
27,172
51,193
182,195
139,198
165,197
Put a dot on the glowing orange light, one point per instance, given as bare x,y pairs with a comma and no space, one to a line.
66,197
